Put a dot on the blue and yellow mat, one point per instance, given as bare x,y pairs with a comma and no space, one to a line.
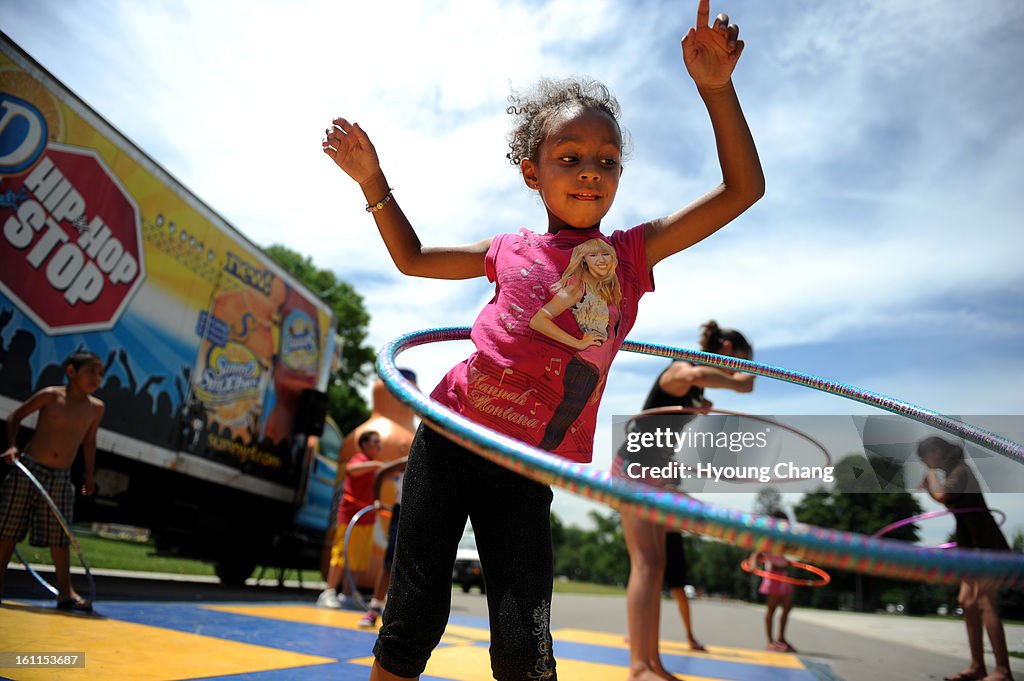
150,641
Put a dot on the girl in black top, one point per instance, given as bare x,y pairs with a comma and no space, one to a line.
978,598
681,384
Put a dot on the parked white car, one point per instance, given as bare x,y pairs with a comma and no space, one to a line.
467,572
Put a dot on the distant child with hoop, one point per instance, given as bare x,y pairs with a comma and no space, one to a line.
395,470
959,489
357,493
69,417
567,144
778,592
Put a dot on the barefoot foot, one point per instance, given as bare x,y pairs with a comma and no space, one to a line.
966,675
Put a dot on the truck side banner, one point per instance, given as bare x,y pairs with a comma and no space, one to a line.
208,344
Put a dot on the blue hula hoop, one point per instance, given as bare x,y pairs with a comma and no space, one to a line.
833,548
67,530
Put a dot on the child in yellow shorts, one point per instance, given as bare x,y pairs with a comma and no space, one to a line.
357,493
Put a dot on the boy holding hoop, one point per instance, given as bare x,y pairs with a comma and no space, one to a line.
69,417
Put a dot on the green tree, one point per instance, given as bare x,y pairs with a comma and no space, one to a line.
856,505
345,405
598,555
566,542
768,501
715,568
606,552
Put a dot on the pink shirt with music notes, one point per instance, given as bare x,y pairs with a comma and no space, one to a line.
515,380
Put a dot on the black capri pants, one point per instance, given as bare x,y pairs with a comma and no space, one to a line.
444,485
389,551
676,576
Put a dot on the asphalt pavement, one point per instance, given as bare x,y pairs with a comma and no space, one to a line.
854,646
833,645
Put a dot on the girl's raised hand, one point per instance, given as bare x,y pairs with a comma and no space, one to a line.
350,147
711,52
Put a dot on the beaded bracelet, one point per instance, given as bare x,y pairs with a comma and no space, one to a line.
374,207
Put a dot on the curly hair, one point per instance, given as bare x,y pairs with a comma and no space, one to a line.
533,109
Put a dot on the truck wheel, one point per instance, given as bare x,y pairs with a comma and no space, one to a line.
234,571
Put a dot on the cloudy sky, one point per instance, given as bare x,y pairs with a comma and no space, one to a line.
886,252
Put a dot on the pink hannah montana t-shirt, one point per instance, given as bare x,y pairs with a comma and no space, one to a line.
526,383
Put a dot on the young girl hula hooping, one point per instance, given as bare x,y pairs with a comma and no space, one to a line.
778,593
657,557
567,144
958,488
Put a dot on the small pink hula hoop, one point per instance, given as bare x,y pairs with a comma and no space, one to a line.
824,577
934,514
665,411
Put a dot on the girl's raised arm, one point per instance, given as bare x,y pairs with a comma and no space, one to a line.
710,55
350,148
680,377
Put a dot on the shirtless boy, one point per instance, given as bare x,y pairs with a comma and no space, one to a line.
68,417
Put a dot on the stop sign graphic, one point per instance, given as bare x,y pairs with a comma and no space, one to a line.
72,242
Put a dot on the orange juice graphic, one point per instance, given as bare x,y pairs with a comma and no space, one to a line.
300,351
296,365
236,354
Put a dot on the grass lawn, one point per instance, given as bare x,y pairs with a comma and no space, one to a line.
569,587
118,554
123,554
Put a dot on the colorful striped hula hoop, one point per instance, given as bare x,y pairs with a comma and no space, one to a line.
831,548
935,514
669,411
824,577
358,597
67,530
